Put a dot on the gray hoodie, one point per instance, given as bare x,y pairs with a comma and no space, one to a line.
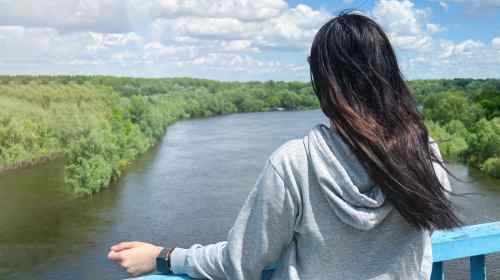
314,213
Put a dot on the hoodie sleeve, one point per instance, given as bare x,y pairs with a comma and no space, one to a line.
263,229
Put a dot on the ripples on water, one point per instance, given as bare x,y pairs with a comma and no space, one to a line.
188,189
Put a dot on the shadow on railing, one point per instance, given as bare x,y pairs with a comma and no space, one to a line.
473,242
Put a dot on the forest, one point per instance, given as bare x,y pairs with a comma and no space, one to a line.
100,124
463,115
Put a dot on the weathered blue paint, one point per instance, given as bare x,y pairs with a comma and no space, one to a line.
470,241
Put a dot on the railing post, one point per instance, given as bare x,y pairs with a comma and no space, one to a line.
437,271
477,268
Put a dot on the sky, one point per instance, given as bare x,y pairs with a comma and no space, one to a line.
237,39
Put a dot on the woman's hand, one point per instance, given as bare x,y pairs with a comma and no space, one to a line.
136,257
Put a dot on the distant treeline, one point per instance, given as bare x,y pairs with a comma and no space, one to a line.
99,124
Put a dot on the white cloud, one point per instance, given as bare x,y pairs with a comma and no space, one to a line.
246,10
215,38
120,32
434,28
102,41
404,24
444,5
292,29
156,52
422,54
298,24
236,62
495,43
203,28
128,15
398,17
67,15
475,4
37,45
466,59
420,43
239,46
20,45
468,48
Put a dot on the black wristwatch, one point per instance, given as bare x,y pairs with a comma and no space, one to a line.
163,260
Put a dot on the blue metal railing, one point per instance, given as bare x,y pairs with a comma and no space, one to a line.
473,242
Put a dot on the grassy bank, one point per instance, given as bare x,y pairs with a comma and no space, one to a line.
100,124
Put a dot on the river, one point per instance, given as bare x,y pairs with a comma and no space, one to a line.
187,189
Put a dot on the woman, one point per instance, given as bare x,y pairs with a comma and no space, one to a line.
356,200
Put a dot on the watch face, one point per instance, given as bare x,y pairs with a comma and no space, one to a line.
161,262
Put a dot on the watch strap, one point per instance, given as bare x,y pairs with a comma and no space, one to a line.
163,261
169,260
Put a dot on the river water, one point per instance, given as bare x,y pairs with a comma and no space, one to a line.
187,189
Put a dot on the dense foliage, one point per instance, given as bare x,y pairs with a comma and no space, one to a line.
464,116
100,124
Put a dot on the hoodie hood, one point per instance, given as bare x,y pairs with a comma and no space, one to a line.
344,182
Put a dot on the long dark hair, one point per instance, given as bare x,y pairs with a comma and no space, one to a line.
355,74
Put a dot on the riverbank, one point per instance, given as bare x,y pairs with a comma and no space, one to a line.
101,124
32,162
201,172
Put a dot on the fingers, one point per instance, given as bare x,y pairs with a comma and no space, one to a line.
114,256
123,246
122,257
133,272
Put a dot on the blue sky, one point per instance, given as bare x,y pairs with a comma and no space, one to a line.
464,19
237,39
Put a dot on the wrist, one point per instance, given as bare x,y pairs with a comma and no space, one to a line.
158,250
